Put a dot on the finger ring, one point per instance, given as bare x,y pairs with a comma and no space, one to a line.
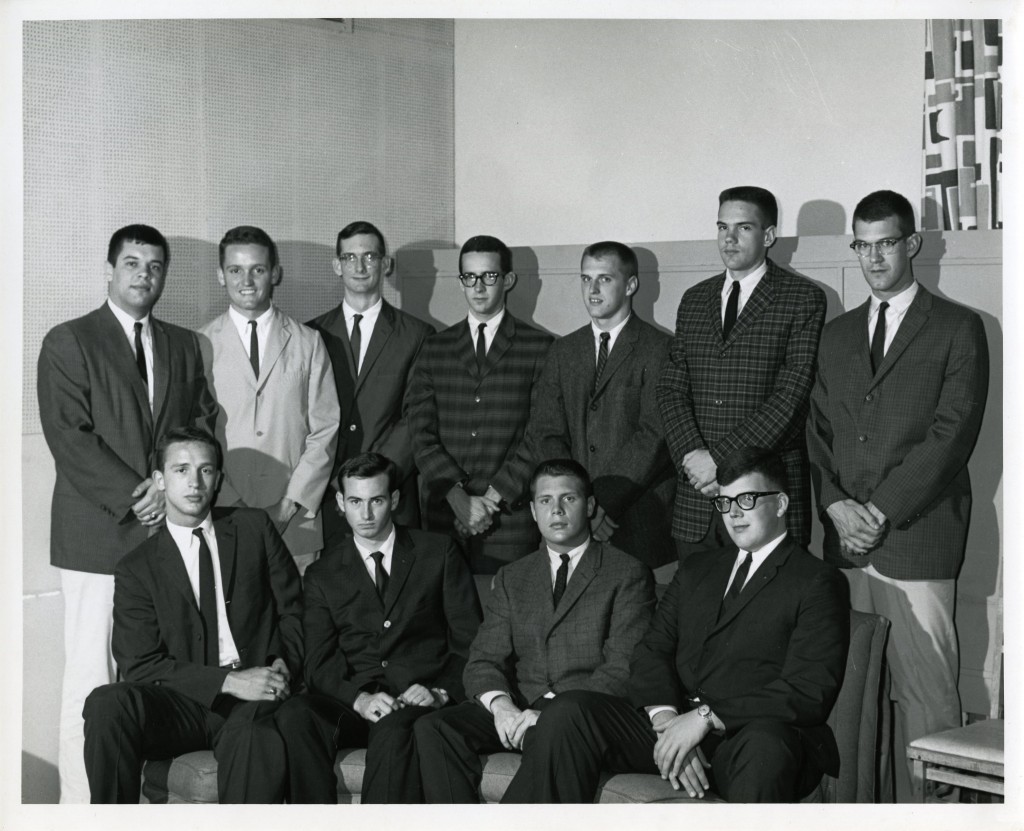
377,713
271,690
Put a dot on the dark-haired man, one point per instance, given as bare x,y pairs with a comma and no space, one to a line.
271,375
596,403
390,613
564,618
733,682
208,636
372,346
896,408
110,384
740,370
469,401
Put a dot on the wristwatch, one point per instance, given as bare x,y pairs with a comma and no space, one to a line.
704,711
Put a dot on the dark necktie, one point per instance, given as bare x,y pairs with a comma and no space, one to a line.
140,353
254,349
878,339
208,600
356,341
733,594
731,309
602,358
380,576
561,578
481,345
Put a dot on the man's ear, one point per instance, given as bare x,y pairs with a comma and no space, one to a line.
108,271
769,236
158,480
591,506
276,273
533,511
339,497
395,498
783,503
336,262
509,281
914,244
220,277
389,266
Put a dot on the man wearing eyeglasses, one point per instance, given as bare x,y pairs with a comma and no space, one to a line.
732,684
469,401
372,346
895,412
740,370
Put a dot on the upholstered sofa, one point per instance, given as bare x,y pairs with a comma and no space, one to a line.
855,720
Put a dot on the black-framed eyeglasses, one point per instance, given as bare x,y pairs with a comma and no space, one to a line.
884,246
369,259
745,500
488,278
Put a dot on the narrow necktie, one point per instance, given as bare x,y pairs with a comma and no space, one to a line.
602,358
733,594
140,353
481,345
208,600
254,349
380,576
356,341
561,578
878,339
731,309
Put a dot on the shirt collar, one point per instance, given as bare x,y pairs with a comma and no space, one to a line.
574,554
182,534
242,322
368,315
126,320
492,324
386,548
756,274
613,332
900,303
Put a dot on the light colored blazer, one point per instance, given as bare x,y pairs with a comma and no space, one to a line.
278,433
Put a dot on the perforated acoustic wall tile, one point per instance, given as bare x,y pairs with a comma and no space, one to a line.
196,126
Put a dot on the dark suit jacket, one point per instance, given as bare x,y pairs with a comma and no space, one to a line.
616,433
751,389
779,652
526,647
469,424
419,634
902,438
97,422
158,630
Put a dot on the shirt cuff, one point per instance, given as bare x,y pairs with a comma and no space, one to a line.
665,708
488,697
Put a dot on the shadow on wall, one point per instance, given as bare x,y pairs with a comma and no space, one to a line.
821,217
40,782
649,290
522,300
309,286
782,252
416,276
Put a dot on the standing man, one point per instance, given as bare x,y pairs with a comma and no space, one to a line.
607,418
895,413
564,618
390,613
110,384
740,370
278,420
208,636
472,390
372,346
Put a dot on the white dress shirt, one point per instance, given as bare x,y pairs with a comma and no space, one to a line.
128,325
366,324
747,286
264,323
613,335
489,332
387,548
894,315
188,547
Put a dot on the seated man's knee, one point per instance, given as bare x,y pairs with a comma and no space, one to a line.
766,739
111,700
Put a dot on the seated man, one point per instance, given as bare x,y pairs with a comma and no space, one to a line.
390,613
197,677
738,672
564,618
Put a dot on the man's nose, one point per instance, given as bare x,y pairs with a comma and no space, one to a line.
735,510
360,265
876,254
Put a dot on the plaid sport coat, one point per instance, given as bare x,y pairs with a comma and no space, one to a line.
750,389
526,647
468,423
901,438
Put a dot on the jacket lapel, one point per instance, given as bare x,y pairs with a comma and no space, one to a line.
582,576
401,564
501,343
761,298
705,598
714,303
122,355
913,320
161,367
354,568
173,567
465,348
861,346
624,346
227,552
381,332
227,343
280,334
761,578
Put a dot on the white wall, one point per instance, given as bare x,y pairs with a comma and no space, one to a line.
570,131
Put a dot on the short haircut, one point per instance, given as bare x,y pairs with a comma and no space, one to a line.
359,227
753,460
763,199
182,435
248,235
142,234
484,244
610,248
562,467
883,204
366,466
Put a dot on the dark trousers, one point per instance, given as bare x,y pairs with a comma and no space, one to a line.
126,724
392,773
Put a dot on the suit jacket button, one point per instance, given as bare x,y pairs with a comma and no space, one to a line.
473,434
868,397
384,663
718,402
259,432
387,624
351,428
593,448
593,406
477,399
862,438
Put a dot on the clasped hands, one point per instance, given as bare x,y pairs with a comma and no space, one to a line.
511,723
259,683
473,514
677,751
701,472
150,507
374,706
860,527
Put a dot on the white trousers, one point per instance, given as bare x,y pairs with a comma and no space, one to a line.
88,663
923,656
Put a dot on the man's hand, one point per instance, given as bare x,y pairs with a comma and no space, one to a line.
257,684
150,508
858,529
710,491
472,512
374,707
419,696
506,719
700,468
676,752
525,720
280,666
282,512
602,526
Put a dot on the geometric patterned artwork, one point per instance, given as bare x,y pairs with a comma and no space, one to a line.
963,116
